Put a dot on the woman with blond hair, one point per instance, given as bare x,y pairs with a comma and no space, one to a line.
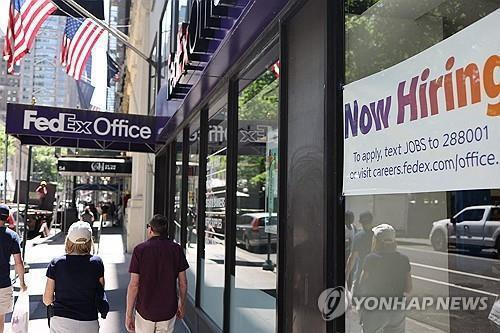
74,283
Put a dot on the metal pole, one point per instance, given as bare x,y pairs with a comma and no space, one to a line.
115,32
19,182
5,168
26,204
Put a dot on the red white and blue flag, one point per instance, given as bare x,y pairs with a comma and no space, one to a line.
25,19
80,36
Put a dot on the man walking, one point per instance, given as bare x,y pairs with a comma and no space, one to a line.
361,247
9,245
155,267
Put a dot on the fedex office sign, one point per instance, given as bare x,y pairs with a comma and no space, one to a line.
68,123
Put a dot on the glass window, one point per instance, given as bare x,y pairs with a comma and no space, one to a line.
152,83
213,264
470,215
183,11
178,188
192,214
166,28
432,257
253,294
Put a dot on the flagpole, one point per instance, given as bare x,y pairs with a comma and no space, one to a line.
115,32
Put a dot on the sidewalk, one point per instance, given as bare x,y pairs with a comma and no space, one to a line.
412,326
116,262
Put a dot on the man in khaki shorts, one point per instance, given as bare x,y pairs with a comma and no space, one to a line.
157,265
9,245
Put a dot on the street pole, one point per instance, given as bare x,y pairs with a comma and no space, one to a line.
5,168
26,203
19,183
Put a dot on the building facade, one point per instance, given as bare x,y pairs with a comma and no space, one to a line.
295,127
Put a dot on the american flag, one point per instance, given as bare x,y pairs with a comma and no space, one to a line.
80,36
25,19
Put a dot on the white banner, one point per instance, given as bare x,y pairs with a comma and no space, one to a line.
430,123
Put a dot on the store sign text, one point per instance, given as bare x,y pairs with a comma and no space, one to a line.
419,96
429,123
68,123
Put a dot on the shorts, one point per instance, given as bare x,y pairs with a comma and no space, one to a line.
146,326
67,325
6,300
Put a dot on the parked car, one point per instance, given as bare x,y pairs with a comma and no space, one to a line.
474,228
250,230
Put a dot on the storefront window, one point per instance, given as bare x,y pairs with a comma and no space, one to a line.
183,11
152,82
213,264
420,210
192,198
253,294
178,188
165,47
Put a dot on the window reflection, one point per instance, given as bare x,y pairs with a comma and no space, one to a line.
445,241
254,283
192,213
178,188
213,265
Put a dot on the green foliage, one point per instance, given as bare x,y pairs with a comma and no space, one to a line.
10,150
251,171
260,99
44,164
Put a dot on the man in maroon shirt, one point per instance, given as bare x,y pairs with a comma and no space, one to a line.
155,267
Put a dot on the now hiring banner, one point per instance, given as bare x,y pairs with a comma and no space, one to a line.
429,123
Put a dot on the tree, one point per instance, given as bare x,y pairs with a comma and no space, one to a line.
44,164
11,149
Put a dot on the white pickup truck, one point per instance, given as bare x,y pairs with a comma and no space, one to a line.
474,228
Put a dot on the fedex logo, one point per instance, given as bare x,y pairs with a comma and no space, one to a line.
67,123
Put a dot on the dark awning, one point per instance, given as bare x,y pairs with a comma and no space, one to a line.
97,187
94,166
64,127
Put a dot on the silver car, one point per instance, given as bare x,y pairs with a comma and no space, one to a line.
474,228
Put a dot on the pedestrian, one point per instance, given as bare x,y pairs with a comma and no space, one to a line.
9,246
385,275
349,230
74,284
156,266
41,192
361,246
87,216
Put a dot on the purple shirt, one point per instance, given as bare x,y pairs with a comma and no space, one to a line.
158,261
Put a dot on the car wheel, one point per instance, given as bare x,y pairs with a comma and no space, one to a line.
438,241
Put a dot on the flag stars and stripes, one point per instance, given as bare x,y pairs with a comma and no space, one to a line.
80,36
25,19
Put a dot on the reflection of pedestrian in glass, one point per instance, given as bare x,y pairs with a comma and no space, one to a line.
386,273
350,231
41,192
361,246
191,225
